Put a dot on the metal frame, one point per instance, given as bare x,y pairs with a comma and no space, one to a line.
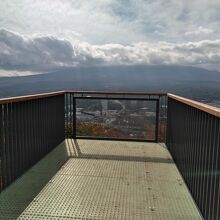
114,139
156,100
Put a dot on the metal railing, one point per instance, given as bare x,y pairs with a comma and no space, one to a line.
193,139
30,127
116,116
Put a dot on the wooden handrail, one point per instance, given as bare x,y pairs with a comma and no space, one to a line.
44,95
117,93
203,107
30,97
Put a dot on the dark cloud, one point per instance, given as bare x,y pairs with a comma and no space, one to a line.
41,52
46,53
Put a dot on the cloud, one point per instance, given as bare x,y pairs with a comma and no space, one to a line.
192,53
114,21
47,53
13,73
39,52
200,30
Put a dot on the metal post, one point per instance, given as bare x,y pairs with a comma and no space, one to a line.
157,121
74,117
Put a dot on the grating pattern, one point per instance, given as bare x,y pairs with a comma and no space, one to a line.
15,198
101,149
114,180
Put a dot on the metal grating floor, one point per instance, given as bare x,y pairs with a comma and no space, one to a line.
114,180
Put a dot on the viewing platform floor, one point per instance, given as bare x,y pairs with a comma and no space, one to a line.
101,180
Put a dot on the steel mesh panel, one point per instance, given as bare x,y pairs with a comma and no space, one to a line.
120,188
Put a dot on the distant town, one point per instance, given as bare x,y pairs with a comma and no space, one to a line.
126,118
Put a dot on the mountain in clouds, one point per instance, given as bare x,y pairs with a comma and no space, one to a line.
187,81
48,53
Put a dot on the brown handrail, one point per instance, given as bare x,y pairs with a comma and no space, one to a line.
116,93
203,107
29,97
44,95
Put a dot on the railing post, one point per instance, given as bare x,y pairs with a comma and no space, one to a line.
157,121
167,141
74,117
1,148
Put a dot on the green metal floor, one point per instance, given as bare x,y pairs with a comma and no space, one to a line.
101,180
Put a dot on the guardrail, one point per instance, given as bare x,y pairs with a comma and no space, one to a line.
193,139
30,126
116,116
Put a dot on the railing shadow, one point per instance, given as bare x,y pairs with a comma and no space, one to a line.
80,152
16,197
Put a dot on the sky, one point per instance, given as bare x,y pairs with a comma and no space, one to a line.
45,35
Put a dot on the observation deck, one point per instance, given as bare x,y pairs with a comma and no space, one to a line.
61,159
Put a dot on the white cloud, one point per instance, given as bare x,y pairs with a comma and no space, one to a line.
114,21
45,53
200,30
193,53
13,73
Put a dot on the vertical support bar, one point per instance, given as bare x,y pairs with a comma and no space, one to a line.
193,138
157,120
1,148
29,129
74,117
216,187
71,113
7,148
65,116
62,117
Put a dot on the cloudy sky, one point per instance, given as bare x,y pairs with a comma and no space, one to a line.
41,36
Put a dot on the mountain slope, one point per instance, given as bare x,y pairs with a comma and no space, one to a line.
188,81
